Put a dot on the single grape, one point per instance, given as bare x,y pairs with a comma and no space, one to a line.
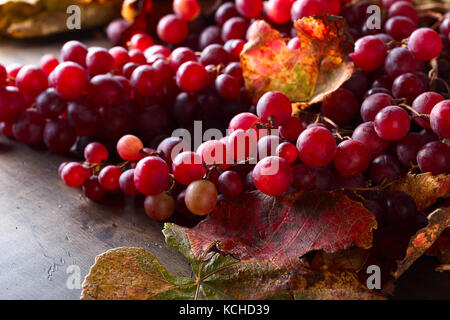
188,167
316,146
244,121
172,29
50,104
234,69
96,153
425,44
192,77
242,145
249,8
392,123
170,148
187,10
201,197
126,183
274,107
340,106
145,81
351,158
181,55
230,184
120,56
159,207
99,61
31,81
105,91
92,189
129,148
373,104
404,9
214,54
370,53
141,41
213,152
109,177
279,11
423,104
400,61
151,175
48,63
227,87
399,27
273,176
291,129
225,12
434,157
408,86
287,151
74,174
59,136
234,28
74,51
234,47
69,80
210,35
136,56
440,119
385,169
29,127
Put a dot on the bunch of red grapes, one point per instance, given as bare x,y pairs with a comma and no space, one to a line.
382,123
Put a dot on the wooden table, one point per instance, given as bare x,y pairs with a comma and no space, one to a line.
45,227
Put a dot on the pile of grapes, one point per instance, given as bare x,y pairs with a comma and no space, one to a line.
391,117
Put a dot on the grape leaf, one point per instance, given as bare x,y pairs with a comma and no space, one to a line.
424,188
319,67
133,273
259,227
441,250
438,221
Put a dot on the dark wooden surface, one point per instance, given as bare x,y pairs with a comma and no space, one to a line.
45,227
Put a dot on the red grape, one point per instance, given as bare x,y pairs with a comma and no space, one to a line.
99,61
287,151
92,189
392,123
74,51
172,29
425,44
109,177
188,167
159,207
230,184
274,107
126,183
434,157
74,174
29,127
316,146
129,148
151,176
186,9
192,77
423,104
96,153
31,81
373,104
370,53
366,134
273,176
59,136
249,8
440,119
351,158
69,80
11,104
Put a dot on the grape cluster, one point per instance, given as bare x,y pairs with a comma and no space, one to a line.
391,117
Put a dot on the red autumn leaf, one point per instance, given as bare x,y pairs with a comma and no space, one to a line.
256,226
307,74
